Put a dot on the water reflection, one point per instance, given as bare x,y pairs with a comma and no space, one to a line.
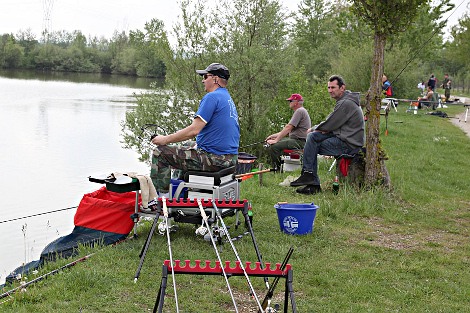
94,78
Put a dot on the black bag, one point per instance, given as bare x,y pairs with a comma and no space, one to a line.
438,113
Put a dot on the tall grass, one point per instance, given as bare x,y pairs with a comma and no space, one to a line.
401,250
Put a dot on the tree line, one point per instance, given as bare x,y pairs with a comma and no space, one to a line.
126,54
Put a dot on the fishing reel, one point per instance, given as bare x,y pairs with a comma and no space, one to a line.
201,230
274,309
162,228
148,132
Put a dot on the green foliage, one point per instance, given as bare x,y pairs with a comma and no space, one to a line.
313,38
354,66
72,52
424,37
456,52
387,17
12,52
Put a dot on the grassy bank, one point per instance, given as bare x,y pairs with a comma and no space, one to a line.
405,250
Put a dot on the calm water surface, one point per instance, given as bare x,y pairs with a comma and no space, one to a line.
56,130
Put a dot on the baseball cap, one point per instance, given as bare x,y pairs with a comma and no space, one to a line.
295,96
216,69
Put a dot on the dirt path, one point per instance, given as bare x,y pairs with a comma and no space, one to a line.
459,119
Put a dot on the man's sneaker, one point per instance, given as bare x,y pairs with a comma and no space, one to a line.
309,189
304,179
151,207
153,204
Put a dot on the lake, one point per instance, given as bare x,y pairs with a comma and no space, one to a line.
57,129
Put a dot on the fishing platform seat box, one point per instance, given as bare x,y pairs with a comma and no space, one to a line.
220,185
291,160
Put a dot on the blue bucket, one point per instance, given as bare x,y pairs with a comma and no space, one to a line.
296,218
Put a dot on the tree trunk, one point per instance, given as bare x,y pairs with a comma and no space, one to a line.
375,170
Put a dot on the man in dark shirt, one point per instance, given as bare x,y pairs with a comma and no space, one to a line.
341,133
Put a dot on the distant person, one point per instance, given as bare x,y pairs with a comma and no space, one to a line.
427,100
387,86
295,130
422,87
342,132
215,126
447,85
432,82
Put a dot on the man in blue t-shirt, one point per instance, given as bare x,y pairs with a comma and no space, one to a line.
215,126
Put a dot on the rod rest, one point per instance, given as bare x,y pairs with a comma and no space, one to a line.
206,268
180,203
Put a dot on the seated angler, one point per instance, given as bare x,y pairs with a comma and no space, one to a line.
427,100
296,130
341,133
215,126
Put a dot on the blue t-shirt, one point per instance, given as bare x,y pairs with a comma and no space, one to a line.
221,135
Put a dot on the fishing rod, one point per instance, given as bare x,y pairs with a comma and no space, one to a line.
165,215
254,173
265,144
204,218
10,292
151,131
148,132
236,255
267,299
421,47
38,214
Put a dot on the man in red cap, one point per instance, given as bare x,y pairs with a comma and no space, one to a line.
296,130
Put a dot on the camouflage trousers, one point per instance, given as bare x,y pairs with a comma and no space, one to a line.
185,158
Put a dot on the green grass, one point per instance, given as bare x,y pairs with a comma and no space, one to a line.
404,250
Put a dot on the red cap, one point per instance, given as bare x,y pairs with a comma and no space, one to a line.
295,96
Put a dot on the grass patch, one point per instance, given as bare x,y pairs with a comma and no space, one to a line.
404,250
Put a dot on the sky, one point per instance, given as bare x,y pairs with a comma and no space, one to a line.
104,17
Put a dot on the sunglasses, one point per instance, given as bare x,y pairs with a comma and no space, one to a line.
207,75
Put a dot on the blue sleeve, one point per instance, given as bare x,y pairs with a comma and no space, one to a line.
386,85
206,108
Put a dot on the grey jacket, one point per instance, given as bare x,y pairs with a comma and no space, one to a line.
346,121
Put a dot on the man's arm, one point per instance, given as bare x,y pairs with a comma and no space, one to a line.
284,132
183,134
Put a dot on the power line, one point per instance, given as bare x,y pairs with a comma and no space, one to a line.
47,8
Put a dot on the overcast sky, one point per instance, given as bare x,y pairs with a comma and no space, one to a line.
103,17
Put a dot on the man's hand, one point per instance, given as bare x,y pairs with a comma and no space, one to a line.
272,141
160,140
271,137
